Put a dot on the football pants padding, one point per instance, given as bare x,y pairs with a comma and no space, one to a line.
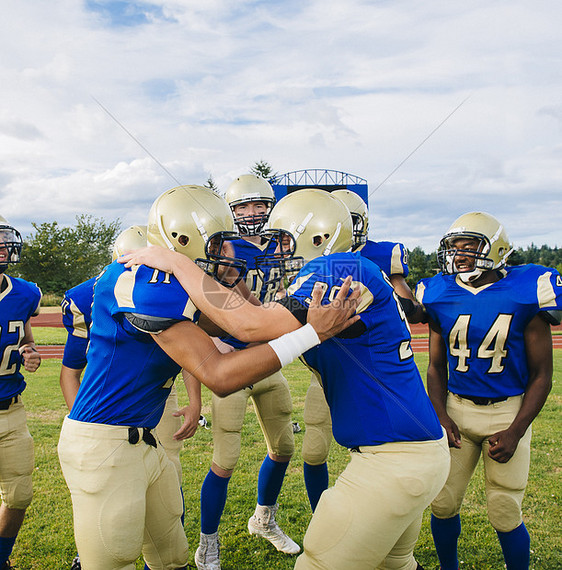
318,425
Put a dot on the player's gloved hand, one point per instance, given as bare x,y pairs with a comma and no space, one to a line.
503,445
329,320
30,357
453,434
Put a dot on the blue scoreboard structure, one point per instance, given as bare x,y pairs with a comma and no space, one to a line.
328,180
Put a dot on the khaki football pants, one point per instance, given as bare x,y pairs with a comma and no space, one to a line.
372,515
504,482
273,406
125,499
16,457
167,427
318,425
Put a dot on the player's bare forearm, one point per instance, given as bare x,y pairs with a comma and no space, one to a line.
69,383
538,345
192,412
194,351
414,311
437,382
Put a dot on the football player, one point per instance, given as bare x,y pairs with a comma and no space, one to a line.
77,319
392,258
250,198
489,374
19,300
124,489
400,456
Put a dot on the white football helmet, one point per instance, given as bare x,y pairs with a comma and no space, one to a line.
320,223
359,215
184,218
250,188
10,244
492,251
131,239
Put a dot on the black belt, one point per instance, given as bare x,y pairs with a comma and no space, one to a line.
147,437
5,404
483,401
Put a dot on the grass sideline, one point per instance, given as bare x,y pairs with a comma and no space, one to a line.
46,539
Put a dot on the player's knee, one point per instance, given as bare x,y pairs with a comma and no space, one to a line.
316,445
446,504
504,511
18,494
285,445
226,450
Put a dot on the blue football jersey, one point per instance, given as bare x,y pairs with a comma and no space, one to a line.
484,328
128,376
77,318
372,385
18,302
391,257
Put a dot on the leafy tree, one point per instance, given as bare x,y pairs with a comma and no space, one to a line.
57,258
264,169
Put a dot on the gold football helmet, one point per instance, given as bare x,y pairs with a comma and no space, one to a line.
10,244
359,215
184,218
492,251
250,188
131,239
320,222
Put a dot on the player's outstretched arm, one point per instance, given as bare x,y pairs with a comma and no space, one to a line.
230,311
437,380
192,412
538,346
224,373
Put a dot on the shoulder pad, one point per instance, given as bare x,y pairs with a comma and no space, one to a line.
150,324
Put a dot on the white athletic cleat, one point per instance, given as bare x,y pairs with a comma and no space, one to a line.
263,523
207,555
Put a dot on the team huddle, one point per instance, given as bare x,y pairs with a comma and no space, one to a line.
228,291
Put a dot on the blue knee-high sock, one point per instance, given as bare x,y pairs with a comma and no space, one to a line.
6,546
213,500
270,480
316,482
446,534
516,547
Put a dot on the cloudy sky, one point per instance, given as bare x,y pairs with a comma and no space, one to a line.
106,104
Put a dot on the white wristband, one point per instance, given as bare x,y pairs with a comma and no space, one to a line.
291,345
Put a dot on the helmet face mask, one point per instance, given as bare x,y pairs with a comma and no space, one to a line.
250,189
474,244
11,245
219,261
279,252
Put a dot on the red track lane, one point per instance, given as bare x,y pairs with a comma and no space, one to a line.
419,344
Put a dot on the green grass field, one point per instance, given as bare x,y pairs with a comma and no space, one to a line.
46,539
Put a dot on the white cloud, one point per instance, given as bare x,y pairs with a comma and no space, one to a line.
209,88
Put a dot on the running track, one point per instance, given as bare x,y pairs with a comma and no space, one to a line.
55,320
